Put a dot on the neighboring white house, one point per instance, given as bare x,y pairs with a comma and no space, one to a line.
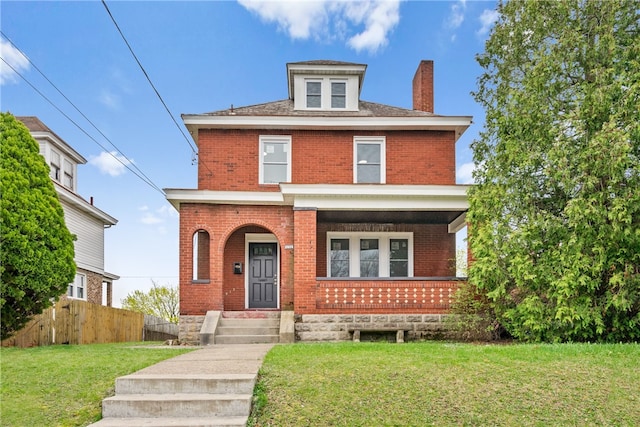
92,283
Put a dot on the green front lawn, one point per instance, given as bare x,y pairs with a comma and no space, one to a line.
64,385
442,384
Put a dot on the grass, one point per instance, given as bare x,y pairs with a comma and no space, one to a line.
442,384
64,385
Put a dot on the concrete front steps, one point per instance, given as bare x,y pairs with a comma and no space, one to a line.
246,327
179,400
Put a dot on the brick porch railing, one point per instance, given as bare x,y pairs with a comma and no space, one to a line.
384,295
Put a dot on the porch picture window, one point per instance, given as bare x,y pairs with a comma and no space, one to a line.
339,255
366,254
369,258
369,157
275,159
314,94
398,257
338,95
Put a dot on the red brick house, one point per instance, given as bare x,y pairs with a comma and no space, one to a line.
342,210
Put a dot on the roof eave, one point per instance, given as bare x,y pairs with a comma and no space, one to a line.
458,124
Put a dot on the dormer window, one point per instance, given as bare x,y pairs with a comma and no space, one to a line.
314,94
55,166
338,94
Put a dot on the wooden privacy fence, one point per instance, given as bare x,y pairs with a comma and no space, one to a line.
79,322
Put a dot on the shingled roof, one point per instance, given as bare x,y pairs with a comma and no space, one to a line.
285,108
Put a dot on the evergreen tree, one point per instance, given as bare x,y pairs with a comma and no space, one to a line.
37,254
555,216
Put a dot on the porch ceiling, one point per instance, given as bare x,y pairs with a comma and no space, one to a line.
390,217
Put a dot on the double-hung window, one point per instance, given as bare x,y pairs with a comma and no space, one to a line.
338,94
369,160
77,289
370,254
314,94
275,159
68,174
55,166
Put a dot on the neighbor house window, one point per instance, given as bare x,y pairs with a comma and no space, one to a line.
275,159
201,255
77,289
338,95
314,94
369,159
55,166
68,175
363,254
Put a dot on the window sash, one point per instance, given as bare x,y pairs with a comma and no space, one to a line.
338,95
314,94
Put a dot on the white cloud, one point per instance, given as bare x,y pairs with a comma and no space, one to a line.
456,16
464,173
109,99
329,19
487,19
110,163
158,217
15,59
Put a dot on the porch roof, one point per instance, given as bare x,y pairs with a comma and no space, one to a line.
438,203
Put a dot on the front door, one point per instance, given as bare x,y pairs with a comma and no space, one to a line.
263,270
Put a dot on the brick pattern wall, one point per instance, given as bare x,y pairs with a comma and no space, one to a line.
94,286
222,223
229,158
423,87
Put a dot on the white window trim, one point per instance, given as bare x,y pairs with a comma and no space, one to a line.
384,239
278,139
379,140
259,238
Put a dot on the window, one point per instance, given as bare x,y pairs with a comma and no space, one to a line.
68,175
55,166
338,95
275,159
370,254
339,257
369,158
201,255
314,94
77,289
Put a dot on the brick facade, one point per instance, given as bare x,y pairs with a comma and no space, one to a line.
231,208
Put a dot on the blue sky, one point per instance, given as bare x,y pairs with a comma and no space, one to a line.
205,56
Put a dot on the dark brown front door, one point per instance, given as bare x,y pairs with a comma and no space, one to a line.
263,284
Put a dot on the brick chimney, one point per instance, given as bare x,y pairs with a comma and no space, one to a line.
423,87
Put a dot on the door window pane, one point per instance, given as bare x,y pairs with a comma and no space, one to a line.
339,257
369,258
399,258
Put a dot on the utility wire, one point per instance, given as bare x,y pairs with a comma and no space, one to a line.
193,149
149,183
146,178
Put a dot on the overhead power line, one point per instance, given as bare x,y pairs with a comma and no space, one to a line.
140,173
193,149
146,181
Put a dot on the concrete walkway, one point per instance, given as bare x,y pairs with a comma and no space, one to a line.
211,386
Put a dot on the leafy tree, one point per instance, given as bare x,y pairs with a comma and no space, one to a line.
555,216
160,301
35,245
